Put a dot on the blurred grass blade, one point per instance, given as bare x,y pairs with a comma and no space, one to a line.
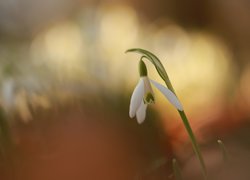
223,150
176,169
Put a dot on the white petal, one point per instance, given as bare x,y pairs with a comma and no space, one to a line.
136,98
147,85
169,95
141,113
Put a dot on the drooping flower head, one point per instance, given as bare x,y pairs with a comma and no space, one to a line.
143,95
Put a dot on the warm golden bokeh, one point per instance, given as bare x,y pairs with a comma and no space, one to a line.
63,63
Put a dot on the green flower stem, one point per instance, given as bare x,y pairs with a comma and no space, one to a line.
189,131
194,142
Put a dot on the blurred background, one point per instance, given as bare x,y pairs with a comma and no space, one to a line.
65,87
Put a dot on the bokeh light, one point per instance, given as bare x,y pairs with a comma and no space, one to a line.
65,77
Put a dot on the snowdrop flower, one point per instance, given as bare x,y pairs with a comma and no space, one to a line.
143,95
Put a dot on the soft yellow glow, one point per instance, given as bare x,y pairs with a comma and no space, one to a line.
118,31
71,53
64,44
61,48
197,63
118,28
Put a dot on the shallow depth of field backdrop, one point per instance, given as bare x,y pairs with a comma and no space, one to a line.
65,86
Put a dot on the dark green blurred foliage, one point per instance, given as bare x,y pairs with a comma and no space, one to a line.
5,137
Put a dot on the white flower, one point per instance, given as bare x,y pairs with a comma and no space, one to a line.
144,95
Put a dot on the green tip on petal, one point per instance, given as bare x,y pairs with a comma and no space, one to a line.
142,69
149,98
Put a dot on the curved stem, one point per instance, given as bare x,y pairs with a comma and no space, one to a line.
194,142
189,131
